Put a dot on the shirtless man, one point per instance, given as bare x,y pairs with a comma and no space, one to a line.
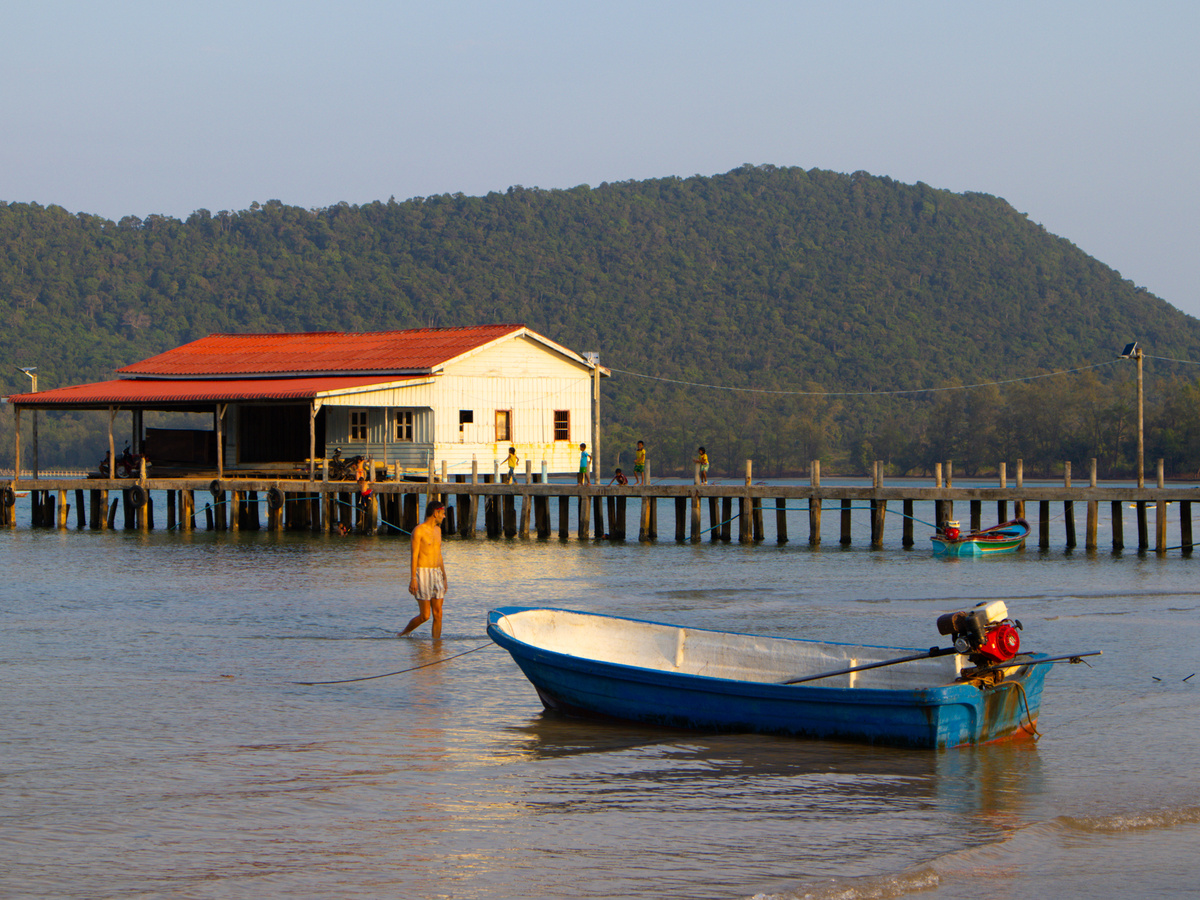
428,582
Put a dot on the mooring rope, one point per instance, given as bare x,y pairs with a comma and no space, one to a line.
398,672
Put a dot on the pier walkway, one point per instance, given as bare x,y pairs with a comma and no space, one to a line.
720,512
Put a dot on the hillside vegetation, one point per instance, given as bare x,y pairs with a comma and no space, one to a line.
747,298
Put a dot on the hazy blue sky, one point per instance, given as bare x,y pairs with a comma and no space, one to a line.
1084,115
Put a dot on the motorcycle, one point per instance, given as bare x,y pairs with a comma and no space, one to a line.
129,465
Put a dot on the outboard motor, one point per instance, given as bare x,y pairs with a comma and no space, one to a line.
952,530
985,633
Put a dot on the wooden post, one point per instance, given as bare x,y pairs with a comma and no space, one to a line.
510,515
170,510
939,506
1019,506
714,519
1143,530
726,519
63,509
1160,518
845,523
1068,508
620,520
907,538
1093,510
976,514
644,529
80,511
1185,526
781,531
681,508
653,514
744,526
1002,505
564,517
1044,524
598,512
948,505
585,512
1118,526
95,519
814,506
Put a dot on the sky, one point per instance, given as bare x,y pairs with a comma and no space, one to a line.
1085,116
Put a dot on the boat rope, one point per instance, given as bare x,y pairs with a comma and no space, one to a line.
398,672
1032,726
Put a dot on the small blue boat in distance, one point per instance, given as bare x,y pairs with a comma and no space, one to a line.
589,664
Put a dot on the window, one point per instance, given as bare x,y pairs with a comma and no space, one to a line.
404,425
562,424
465,417
358,424
503,425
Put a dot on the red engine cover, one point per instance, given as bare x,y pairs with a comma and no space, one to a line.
1002,643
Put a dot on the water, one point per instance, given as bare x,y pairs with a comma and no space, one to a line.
153,743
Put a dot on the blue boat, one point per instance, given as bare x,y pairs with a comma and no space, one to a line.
589,664
1007,537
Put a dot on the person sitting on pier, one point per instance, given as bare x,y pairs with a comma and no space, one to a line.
620,478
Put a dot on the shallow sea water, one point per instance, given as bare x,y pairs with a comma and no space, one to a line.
154,743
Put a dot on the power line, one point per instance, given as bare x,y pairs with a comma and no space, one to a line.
965,387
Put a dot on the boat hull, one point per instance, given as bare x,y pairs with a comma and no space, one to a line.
940,716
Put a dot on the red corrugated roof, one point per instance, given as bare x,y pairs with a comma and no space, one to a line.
181,392
415,350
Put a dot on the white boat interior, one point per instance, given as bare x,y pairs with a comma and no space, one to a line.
718,654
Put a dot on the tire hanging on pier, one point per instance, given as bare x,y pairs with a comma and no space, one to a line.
9,496
137,495
216,489
274,498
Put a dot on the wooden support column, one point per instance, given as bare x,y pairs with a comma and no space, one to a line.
619,523
510,515
564,517
781,529
1093,511
1185,526
1044,524
907,538
1068,508
1002,505
878,517
598,514
726,519
714,519
1118,526
681,508
644,529
653,516
976,514
80,511
585,513
95,517
1160,518
170,510
846,523
1019,505
695,534
756,518
63,509
814,505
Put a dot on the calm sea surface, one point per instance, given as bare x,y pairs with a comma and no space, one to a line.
153,742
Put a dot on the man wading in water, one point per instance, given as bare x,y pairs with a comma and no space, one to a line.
428,582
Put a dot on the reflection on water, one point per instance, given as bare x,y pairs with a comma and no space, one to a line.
155,742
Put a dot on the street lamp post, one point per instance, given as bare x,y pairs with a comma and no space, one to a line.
1134,351
31,371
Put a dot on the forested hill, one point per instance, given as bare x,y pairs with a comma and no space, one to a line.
776,279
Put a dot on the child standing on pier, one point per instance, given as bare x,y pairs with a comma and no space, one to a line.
639,464
702,461
584,459
512,462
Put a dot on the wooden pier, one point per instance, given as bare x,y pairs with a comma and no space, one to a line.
533,508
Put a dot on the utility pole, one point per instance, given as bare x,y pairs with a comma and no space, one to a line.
593,359
1135,352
